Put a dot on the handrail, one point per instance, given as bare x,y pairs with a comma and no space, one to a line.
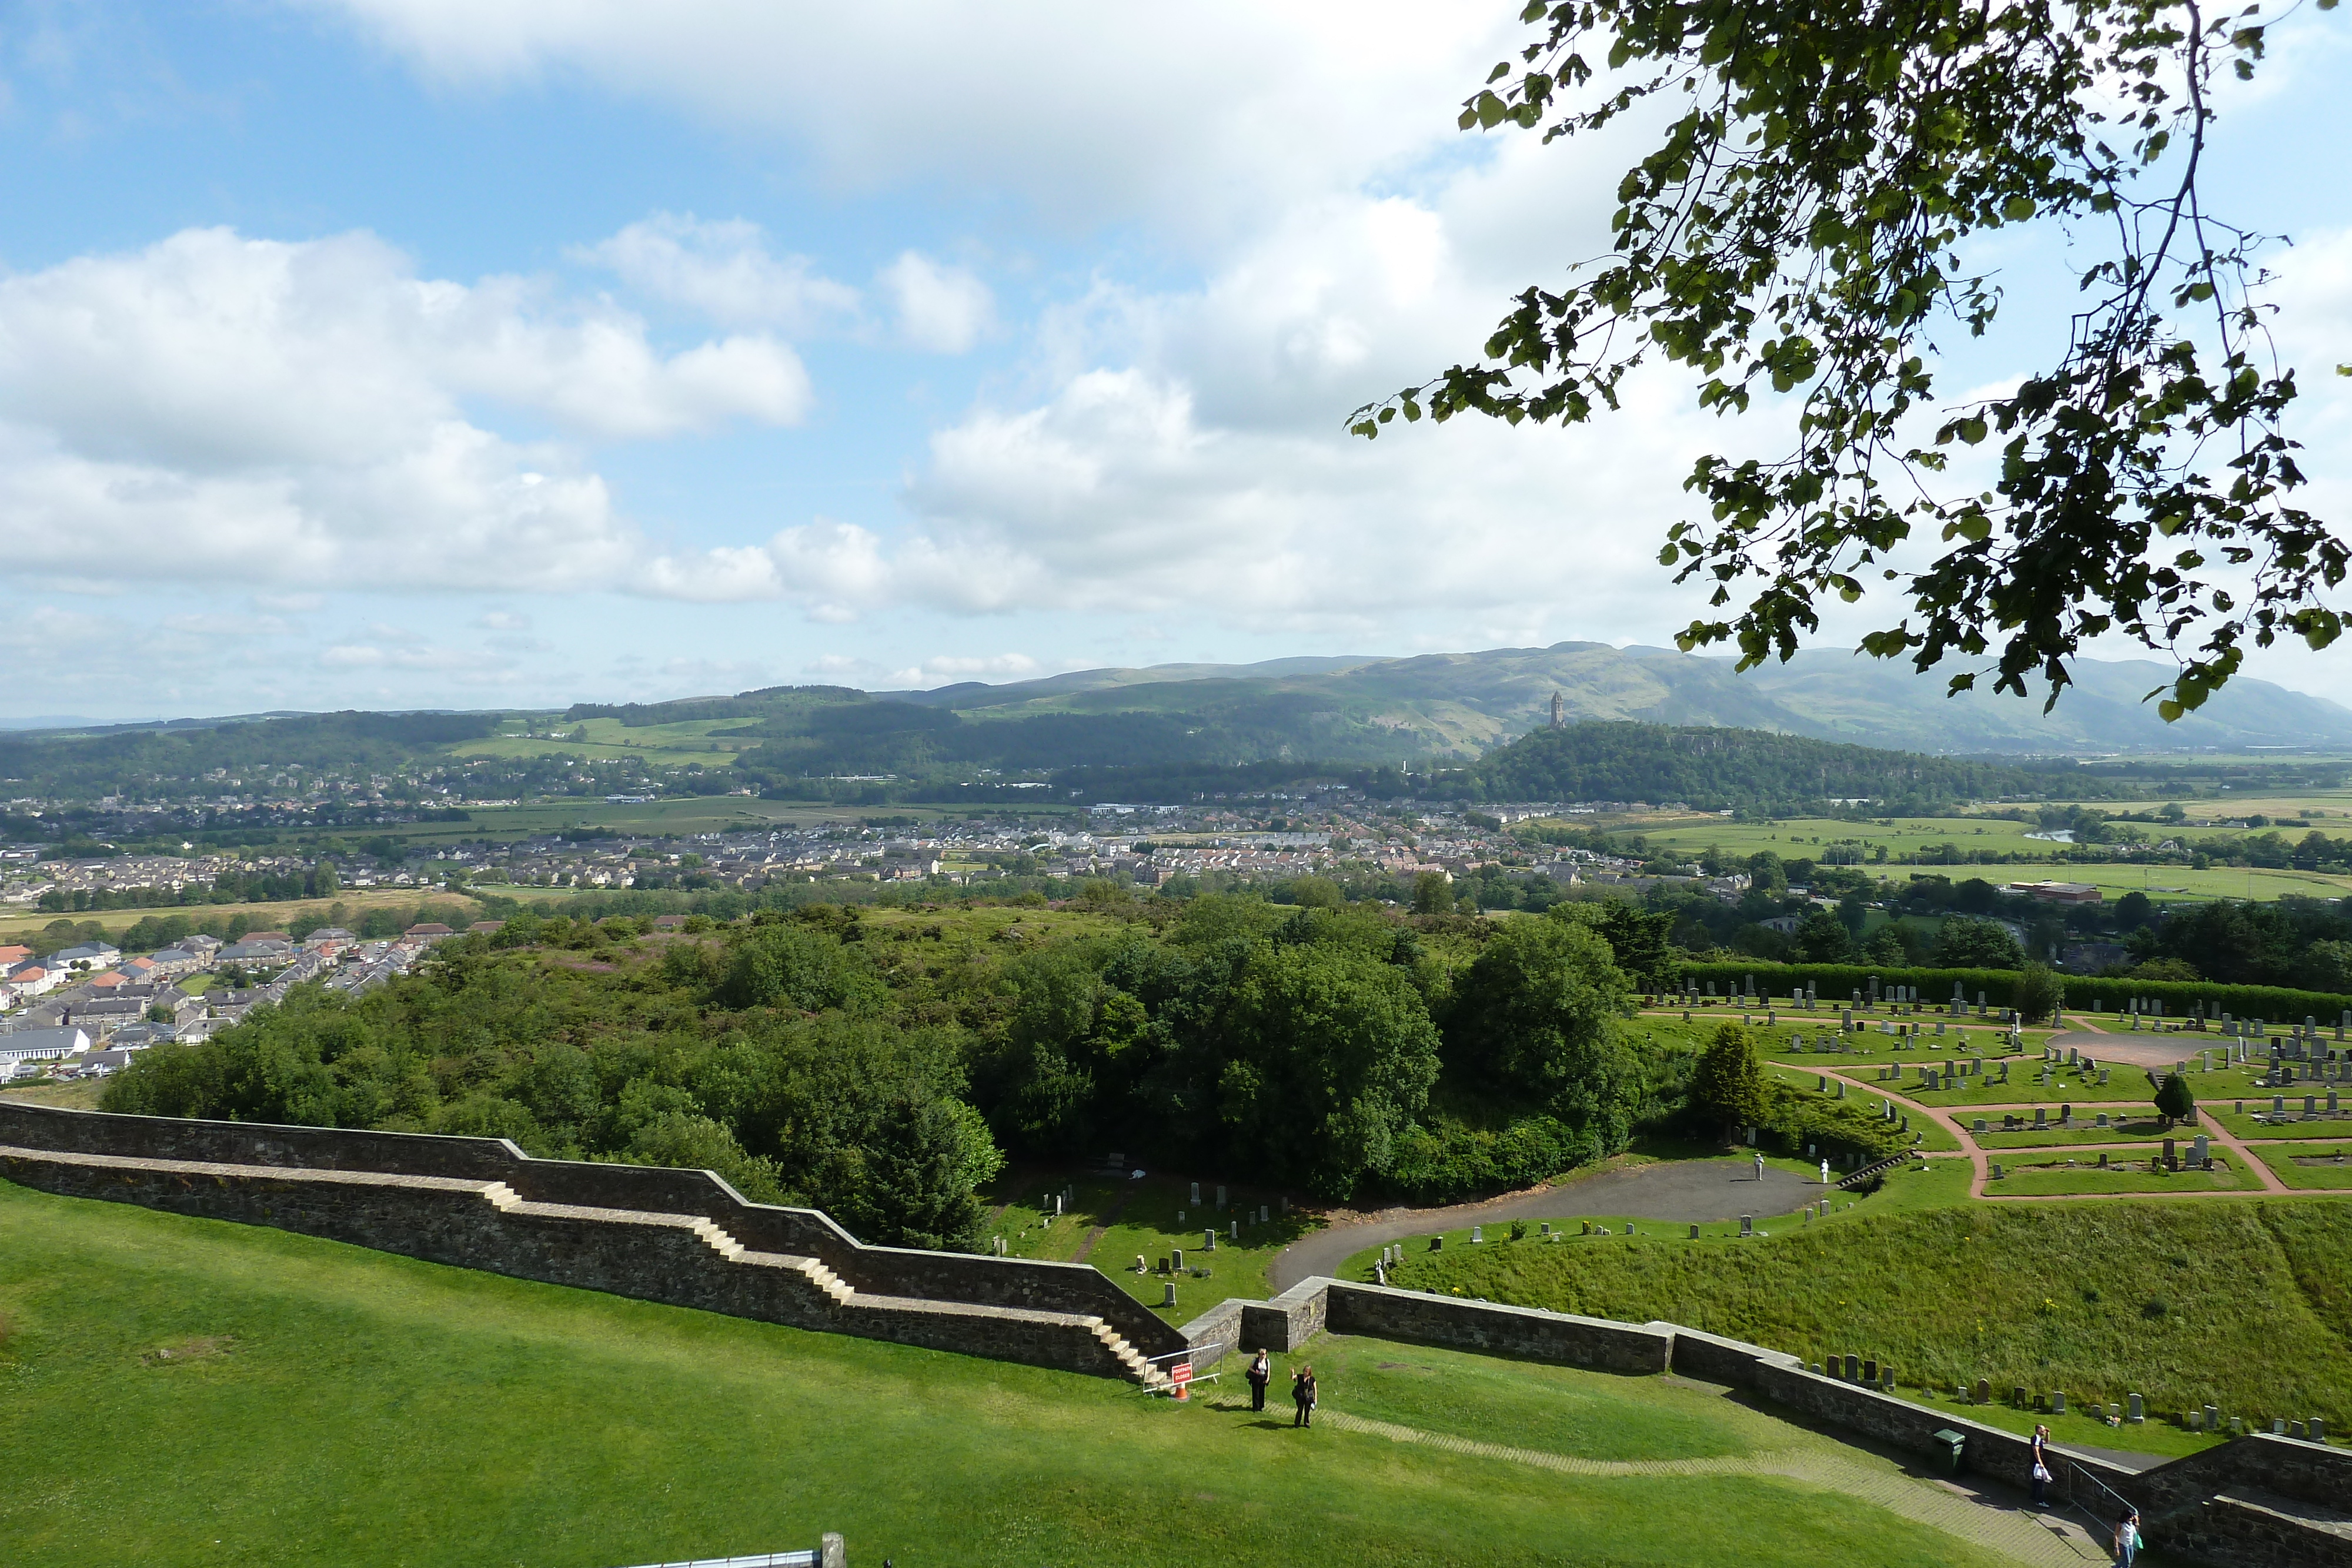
2074,1468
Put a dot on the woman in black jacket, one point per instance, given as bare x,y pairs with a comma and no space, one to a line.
1302,1393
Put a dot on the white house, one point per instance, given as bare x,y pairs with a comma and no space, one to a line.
40,1044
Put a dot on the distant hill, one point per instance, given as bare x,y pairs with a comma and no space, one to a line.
1459,705
1713,768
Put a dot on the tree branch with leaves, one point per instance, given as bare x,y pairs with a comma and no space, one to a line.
1799,231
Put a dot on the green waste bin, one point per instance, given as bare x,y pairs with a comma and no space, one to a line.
1950,1442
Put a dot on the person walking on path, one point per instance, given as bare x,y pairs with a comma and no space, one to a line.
1261,1372
2127,1540
1759,1167
2040,1465
1302,1395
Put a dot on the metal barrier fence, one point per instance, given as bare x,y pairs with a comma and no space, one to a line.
829,1553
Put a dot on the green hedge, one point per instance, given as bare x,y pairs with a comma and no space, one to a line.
2274,1004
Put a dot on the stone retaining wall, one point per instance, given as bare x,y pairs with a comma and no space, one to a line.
1383,1313
1031,1284
652,1257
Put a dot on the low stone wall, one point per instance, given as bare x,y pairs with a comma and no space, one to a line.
1217,1331
652,1257
2254,1530
1485,1326
1288,1321
1711,1358
1312,1305
1026,1283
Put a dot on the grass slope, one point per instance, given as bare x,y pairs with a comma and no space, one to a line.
326,1405
2239,1303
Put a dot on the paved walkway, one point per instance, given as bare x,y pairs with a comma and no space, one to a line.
1972,1514
1688,1192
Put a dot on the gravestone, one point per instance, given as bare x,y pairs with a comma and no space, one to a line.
1852,1368
1209,1240
2137,1413
1477,1235
2057,1402
1984,1390
1221,1198
1746,1225
1176,1260
1693,1234
1870,1372
1437,1244
1167,1294
1196,1193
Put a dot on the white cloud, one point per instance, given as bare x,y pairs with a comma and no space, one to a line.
723,270
302,415
942,309
1196,119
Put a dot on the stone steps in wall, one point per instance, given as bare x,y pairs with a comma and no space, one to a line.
1139,1369
842,1296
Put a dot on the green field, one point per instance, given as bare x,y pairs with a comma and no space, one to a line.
1905,839
2042,1177
356,902
2245,1303
323,1404
2323,1174
2246,1127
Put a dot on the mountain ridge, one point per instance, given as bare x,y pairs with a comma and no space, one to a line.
1462,704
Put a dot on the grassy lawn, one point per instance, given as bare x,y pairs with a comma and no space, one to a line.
2245,1304
324,1405
357,902
2242,1124
2045,1178
2127,1124
82,1094
1141,1219
1554,1409
1941,1184
1932,1132
2287,1161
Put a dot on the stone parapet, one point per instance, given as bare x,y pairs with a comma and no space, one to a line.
1018,1282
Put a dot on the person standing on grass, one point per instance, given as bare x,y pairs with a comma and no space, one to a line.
2040,1465
2127,1540
1261,1372
1302,1395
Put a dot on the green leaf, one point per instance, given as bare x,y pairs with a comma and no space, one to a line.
2168,710
2017,209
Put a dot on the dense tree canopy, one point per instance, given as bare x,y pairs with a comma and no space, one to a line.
1801,227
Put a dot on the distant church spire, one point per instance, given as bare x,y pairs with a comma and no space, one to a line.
1555,710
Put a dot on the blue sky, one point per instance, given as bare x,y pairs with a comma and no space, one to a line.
413,352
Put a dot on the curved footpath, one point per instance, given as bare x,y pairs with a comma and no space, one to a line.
1686,1192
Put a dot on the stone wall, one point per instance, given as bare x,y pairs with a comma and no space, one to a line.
1288,1321
1307,1308
2254,1530
664,1258
1026,1283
